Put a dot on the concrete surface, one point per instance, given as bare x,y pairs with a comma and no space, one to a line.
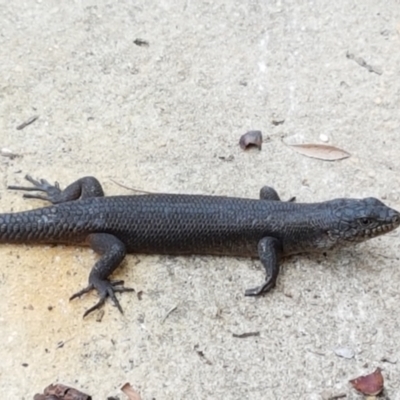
159,118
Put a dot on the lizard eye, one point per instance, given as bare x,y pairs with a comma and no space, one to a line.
365,221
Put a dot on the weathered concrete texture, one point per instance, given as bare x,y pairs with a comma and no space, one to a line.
160,118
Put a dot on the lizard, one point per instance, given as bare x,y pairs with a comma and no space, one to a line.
183,224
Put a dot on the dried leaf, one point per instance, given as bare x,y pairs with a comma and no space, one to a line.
251,138
130,392
320,151
371,384
61,392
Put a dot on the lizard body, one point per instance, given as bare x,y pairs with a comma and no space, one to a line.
178,224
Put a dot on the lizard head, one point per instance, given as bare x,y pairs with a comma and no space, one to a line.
360,220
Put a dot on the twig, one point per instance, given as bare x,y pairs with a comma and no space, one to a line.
168,313
362,63
245,335
132,189
27,122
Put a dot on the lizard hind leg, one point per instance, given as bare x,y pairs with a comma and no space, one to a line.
269,251
81,189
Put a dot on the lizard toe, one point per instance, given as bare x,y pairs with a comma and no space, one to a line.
98,305
257,291
87,289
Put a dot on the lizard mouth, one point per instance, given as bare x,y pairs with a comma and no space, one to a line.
379,229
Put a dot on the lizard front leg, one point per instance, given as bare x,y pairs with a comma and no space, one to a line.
112,252
269,251
269,193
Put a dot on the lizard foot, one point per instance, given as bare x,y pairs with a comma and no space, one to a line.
257,291
105,289
52,191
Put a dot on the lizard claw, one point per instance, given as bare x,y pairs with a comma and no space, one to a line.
95,307
87,289
264,288
105,289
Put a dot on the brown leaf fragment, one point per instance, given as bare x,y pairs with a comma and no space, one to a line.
251,139
320,151
370,385
61,392
129,391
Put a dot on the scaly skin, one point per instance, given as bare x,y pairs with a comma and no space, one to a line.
190,224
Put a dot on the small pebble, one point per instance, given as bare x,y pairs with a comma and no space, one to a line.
323,138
